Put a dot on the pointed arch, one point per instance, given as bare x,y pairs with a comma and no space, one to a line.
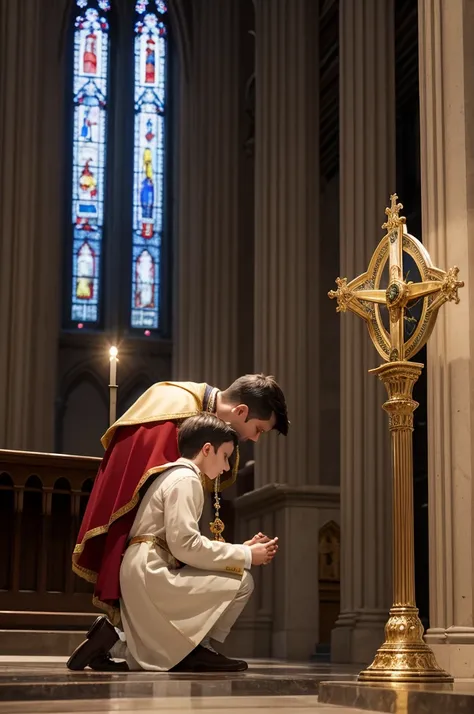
78,376
62,484
6,480
80,373
34,483
83,416
329,551
87,485
133,389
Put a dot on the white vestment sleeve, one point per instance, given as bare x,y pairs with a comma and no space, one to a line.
183,502
248,556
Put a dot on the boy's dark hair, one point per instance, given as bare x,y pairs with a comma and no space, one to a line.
263,396
198,430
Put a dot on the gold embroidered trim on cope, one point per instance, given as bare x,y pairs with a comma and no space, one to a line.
211,405
84,573
113,613
137,416
118,514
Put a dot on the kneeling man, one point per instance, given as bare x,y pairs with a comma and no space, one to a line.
180,590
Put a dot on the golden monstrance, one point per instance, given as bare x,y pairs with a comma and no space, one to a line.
400,319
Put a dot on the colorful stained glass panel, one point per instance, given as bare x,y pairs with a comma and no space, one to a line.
149,163
91,48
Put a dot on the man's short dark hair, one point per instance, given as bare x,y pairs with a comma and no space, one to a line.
263,396
202,429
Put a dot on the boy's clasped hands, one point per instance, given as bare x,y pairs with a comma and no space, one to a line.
263,548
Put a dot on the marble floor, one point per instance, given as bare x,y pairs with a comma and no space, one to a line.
44,686
180,705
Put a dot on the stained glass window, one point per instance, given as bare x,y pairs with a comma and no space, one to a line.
149,160
91,49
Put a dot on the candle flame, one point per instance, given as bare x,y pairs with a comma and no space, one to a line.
113,352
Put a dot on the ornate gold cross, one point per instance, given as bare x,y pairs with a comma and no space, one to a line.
363,295
404,656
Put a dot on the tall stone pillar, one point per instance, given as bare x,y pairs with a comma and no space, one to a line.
30,197
287,228
447,172
367,178
205,324
287,501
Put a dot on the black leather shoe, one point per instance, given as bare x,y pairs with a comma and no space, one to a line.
105,663
99,640
203,660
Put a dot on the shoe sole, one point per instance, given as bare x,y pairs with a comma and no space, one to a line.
231,669
201,669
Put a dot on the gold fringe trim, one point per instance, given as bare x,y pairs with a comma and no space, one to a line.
106,439
84,573
90,575
113,613
198,398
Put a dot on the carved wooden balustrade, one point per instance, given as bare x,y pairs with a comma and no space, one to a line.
42,501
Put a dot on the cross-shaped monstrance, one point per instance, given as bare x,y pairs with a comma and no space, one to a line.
354,296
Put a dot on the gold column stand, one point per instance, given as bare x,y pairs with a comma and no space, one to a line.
404,656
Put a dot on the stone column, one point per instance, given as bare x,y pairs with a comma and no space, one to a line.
31,126
287,228
205,324
367,178
447,171
286,326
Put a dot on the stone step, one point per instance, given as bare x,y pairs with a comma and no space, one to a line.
43,620
36,633
52,643
457,698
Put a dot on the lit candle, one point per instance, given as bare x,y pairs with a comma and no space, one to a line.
113,352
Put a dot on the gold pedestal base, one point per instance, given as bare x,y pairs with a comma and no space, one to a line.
404,656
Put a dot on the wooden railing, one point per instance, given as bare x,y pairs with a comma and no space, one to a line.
42,501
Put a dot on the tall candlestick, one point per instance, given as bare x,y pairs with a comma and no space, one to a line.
113,352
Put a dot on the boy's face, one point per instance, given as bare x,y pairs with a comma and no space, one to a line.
214,463
249,429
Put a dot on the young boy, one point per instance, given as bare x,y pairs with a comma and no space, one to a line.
178,588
